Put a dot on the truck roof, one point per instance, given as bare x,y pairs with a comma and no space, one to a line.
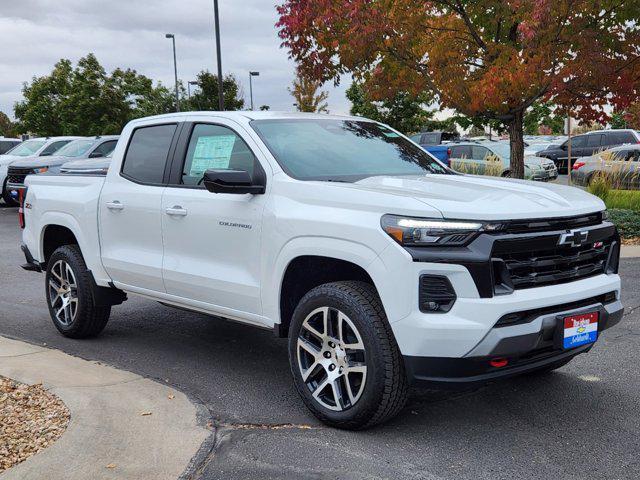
248,115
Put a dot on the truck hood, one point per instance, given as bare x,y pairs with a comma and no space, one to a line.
9,159
487,198
33,162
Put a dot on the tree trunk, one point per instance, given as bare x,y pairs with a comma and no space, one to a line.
516,143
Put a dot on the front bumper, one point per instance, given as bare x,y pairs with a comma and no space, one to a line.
527,346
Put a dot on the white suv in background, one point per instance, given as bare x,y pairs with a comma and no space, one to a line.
34,147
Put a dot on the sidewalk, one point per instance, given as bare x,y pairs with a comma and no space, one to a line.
122,426
630,251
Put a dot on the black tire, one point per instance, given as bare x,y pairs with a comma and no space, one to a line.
385,389
506,174
89,320
6,196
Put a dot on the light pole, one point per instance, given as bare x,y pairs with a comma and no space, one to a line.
217,27
251,75
175,68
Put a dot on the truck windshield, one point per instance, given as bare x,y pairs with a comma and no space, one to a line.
76,148
30,147
342,150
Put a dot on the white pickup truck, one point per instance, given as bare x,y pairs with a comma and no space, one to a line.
380,265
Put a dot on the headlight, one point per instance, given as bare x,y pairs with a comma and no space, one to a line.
41,170
416,232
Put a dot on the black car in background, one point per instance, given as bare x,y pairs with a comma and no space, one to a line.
588,144
7,144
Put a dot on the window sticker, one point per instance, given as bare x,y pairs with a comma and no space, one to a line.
211,153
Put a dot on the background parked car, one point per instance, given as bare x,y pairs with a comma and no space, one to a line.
588,144
96,166
85,148
620,165
432,142
35,147
493,158
7,144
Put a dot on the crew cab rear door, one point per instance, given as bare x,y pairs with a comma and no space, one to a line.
212,240
130,210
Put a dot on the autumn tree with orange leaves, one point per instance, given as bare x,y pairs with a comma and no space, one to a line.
487,59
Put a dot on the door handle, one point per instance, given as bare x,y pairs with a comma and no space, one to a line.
115,205
176,211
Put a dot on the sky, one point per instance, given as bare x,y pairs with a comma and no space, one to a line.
35,34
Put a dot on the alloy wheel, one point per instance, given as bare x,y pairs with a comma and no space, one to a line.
332,358
63,293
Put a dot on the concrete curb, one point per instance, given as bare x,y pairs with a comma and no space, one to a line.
107,424
630,251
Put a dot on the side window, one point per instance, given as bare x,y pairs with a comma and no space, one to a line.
578,142
104,149
633,156
594,140
215,147
54,147
479,153
619,138
147,154
416,138
463,151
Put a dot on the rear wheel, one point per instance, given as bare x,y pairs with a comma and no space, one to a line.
345,361
70,297
6,196
506,174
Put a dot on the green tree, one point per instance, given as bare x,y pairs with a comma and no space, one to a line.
206,97
618,120
7,127
86,100
305,92
403,111
541,114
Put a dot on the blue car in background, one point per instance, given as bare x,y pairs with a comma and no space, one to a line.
432,142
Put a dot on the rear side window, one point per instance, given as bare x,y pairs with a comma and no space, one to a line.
461,152
147,154
54,147
619,138
430,138
593,140
479,153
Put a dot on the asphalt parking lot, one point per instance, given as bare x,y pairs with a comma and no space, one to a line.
582,421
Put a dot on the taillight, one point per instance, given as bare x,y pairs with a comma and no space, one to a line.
448,152
22,194
577,165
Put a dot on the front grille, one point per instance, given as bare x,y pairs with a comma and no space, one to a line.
548,225
17,175
551,266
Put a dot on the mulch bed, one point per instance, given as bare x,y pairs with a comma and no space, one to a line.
31,418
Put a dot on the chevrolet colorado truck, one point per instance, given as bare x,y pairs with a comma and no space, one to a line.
380,265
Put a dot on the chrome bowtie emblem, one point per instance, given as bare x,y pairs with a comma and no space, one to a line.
575,238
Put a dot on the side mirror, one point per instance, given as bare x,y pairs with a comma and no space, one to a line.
96,155
232,181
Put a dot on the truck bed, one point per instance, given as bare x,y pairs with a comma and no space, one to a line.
69,201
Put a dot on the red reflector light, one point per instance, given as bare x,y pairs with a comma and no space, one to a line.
498,362
577,165
21,209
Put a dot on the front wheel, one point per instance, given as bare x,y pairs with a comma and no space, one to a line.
344,358
69,295
6,196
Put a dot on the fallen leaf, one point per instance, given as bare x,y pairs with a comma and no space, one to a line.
171,397
145,414
111,465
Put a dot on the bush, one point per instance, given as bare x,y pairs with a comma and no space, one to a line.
627,221
600,187
623,200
